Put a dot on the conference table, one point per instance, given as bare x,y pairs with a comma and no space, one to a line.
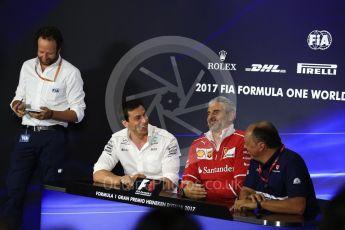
88,205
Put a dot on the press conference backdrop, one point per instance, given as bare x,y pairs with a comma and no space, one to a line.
281,61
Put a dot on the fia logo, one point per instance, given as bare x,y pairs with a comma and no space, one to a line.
222,55
319,40
24,138
55,90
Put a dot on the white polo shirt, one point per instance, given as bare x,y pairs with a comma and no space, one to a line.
159,157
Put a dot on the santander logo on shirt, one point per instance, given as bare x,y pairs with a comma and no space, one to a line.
206,170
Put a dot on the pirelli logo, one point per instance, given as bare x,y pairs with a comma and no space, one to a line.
317,69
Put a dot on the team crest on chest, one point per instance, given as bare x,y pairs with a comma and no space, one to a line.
229,153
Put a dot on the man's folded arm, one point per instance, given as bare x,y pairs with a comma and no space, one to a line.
245,192
106,177
291,205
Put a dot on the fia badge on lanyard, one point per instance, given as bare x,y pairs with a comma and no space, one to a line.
24,138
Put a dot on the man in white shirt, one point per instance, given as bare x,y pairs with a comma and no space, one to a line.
49,95
143,150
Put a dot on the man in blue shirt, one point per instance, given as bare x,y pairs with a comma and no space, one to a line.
278,179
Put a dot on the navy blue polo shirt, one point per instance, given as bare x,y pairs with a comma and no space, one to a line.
289,177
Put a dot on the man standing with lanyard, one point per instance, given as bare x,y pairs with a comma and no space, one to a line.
278,179
49,95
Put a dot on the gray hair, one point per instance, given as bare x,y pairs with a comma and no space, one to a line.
229,106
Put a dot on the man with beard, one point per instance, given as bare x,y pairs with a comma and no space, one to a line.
49,95
142,149
217,163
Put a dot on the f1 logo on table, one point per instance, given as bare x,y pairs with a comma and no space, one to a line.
148,187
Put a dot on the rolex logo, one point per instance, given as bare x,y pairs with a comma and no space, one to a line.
222,65
222,55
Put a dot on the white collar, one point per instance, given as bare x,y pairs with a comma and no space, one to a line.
225,133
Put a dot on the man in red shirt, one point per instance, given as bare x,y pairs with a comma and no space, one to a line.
217,162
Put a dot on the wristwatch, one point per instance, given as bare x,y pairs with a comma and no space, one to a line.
258,205
181,190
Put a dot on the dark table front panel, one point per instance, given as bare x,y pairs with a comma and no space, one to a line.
167,200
